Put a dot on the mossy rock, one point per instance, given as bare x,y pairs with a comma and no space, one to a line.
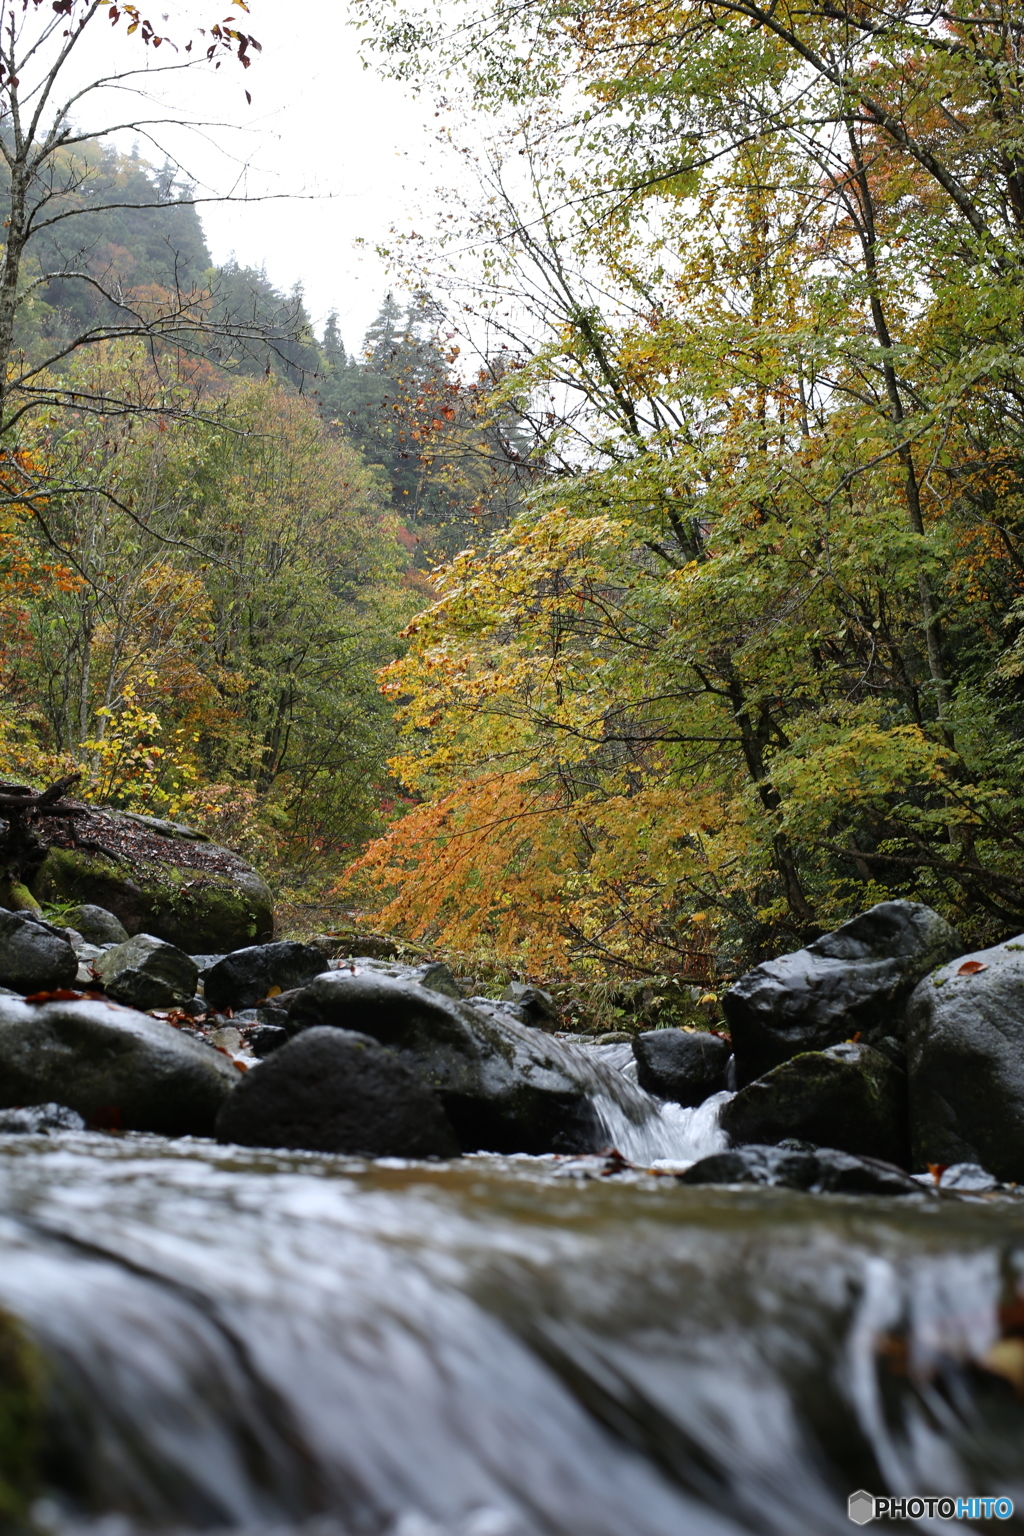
200,897
850,1097
21,1411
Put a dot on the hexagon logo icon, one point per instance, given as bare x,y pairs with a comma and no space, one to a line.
861,1507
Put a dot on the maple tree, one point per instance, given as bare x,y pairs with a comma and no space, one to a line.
750,658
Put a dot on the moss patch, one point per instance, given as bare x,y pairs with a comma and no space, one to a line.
199,910
21,1401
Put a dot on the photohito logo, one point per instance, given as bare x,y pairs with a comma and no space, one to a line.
864,1506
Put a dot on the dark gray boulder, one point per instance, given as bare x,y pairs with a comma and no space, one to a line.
244,977
432,974
39,1120
116,1067
96,925
965,1059
532,1004
825,1170
34,955
144,972
504,1086
263,1039
855,980
682,1065
849,1096
334,1090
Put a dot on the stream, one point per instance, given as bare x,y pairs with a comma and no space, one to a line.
499,1346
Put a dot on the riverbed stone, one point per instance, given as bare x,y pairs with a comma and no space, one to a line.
682,1065
116,1067
505,1086
244,978
146,973
825,1170
533,1005
849,1096
96,924
40,1120
857,980
335,1090
34,955
965,1057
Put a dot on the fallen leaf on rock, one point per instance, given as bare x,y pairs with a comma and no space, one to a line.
58,995
937,1170
972,967
106,1118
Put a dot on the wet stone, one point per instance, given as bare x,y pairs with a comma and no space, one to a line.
118,1068
335,1090
34,955
96,925
823,1171
245,977
147,973
856,980
849,1096
681,1065
39,1120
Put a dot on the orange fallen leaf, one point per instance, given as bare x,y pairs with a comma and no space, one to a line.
937,1170
972,967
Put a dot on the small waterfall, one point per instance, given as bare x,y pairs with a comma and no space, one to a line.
671,1135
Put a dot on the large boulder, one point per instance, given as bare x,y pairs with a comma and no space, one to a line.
505,1086
821,1171
155,877
685,1066
334,1090
146,973
855,980
117,1068
34,956
245,977
965,1059
849,1096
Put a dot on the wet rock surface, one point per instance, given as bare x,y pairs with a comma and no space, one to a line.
34,955
825,1170
503,1085
244,977
96,925
857,979
684,1066
335,1090
115,1067
848,1096
532,1004
39,1120
965,1056
145,972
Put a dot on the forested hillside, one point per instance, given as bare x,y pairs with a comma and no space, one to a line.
223,532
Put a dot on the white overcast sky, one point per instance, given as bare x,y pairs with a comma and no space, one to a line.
351,153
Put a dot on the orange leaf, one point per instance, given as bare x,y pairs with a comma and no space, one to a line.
971,968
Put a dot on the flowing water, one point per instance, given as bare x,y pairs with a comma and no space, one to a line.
292,1343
